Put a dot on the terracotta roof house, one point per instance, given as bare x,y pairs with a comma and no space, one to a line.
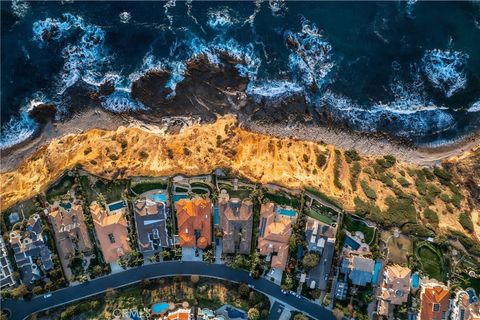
150,221
394,289
32,255
180,314
274,235
435,302
236,218
194,222
111,232
70,230
6,278
361,270
466,306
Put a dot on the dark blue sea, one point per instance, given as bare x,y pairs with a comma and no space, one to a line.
408,68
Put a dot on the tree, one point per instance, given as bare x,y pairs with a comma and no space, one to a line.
253,314
315,293
243,290
300,316
194,278
37,290
97,271
19,291
310,261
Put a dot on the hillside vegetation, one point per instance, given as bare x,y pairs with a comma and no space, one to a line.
382,189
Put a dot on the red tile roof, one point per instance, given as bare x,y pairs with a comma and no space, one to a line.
435,303
194,215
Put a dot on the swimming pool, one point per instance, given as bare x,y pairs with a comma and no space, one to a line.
351,243
177,197
286,212
376,271
216,217
415,281
235,313
66,205
116,206
158,308
158,197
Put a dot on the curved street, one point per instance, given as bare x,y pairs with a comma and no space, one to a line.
20,309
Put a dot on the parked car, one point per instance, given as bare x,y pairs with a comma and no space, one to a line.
48,295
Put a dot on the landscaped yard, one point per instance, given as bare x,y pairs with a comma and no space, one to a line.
318,216
111,190
147,186
241,192
430,261
353,224
399,249
60,188
283,199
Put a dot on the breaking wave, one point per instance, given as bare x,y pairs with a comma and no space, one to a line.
220,19
274,90
311,59
121,101
20,8
475,107
445,69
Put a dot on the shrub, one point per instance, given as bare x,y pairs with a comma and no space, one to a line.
143,155
472,246
310,261
400,211
93,162
456,199
123,144
421,185
336,169
351,155
443,176
445,198
170,153
431,216
369,192
305,158
387,161
385,178
113,157
354,173
417,230
321,160
403,182
466,221
87,150
186,151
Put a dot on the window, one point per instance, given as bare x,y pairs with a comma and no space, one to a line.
436,307
111,238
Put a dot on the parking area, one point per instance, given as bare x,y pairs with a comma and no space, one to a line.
188,254
275,275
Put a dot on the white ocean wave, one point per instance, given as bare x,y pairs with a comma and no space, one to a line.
311,60
475,107
20,8
273,90
445,69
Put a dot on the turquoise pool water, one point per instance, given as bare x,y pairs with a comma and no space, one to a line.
116,206
216,217
66,205
376,271
177,197
415,281
158,308
158,197
286,212
351,243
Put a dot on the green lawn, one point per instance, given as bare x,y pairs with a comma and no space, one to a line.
320,217
147,186
353,225
282,199
112,190
241,192
431,262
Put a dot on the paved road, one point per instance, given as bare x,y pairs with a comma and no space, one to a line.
20,309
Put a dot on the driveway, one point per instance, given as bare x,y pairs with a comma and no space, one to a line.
20,309
188,254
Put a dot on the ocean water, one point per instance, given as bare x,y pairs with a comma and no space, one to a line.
411,69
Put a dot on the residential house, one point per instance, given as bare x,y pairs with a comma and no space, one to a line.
111,231
70,231
466,305
6,277
236,218
435,303
151,224
274,235
361,270
31,253
321,239
194,222
180,314
394,289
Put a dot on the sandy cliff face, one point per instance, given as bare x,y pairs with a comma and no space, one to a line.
131,151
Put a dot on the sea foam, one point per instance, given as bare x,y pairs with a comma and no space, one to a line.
445,69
